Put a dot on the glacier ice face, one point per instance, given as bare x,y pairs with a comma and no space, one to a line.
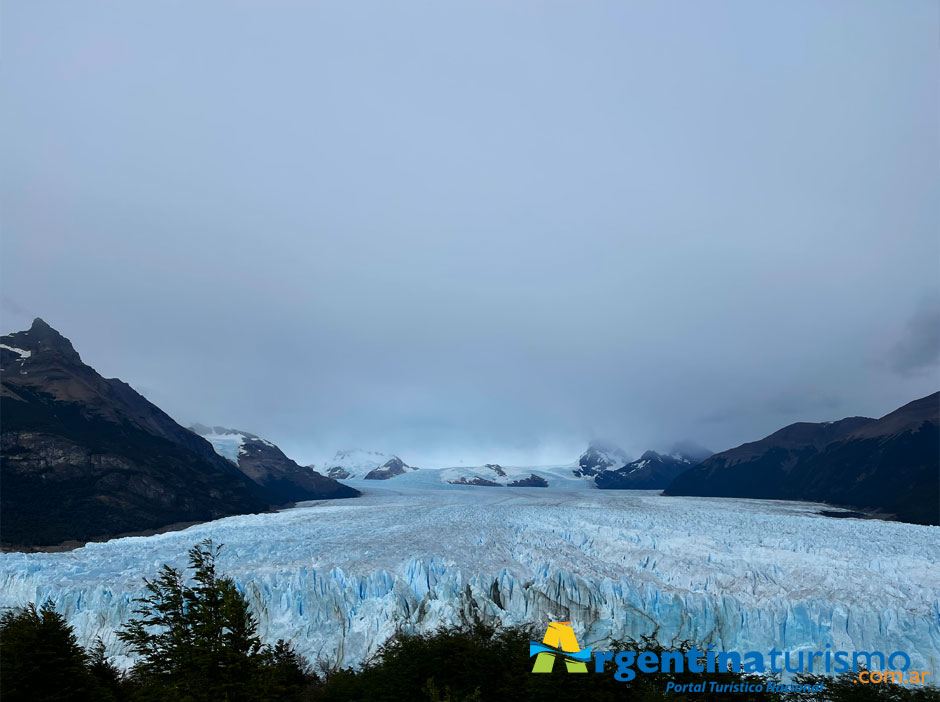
339,577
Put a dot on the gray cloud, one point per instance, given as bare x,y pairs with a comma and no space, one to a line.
9,306
791,403
477,231
918,351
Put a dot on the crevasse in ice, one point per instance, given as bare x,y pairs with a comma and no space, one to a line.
338,578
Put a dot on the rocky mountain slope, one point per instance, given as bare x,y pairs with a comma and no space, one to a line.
267,466
651,471
610,468
600,456
889,465
83,457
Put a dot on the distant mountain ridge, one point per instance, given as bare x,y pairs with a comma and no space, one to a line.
611,469
890,465
267,465
651,471
365,465
493,475
600,456
83,457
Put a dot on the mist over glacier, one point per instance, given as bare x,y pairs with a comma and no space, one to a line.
338,578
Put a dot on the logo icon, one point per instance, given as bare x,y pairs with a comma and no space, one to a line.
559,641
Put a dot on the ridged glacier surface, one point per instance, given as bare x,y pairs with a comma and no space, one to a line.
338,578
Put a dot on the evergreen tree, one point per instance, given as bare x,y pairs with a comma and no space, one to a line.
108,678
287,673
40,659
199,643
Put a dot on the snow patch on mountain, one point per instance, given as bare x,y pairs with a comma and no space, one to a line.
22,353
229,446
599,457
228,443
495,475
357,464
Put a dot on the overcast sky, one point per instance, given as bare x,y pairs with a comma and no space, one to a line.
480,231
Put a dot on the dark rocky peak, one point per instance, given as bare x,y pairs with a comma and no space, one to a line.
532,481
496,468
47,363
651,471
392,467
910,417
267,465
600,456
42,340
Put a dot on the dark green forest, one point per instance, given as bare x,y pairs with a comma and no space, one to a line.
195,639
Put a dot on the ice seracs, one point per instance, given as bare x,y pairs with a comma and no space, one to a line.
741,574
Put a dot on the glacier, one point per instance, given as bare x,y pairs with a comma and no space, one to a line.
338,578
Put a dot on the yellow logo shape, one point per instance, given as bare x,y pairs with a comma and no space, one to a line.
559,636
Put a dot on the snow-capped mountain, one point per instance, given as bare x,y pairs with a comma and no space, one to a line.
651,471
86,457
493,475
609,467
228,443
357,464
267,465
392,468
600,456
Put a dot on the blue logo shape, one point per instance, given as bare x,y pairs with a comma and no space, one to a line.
583,656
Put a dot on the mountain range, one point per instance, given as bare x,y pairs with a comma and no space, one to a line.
651,471
83,457
610,467
600,456
266,465
493,475
365,465
889,465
